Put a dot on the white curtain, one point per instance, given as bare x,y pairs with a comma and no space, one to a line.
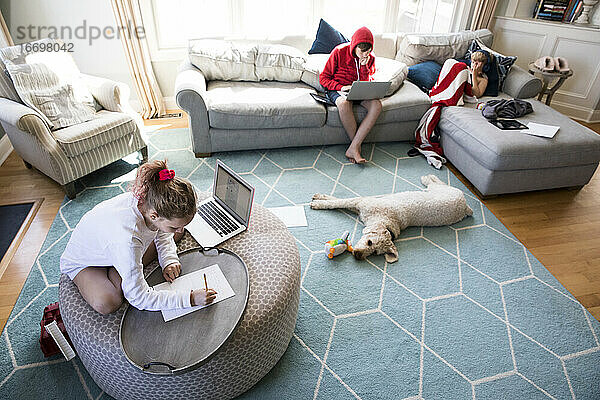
129,16
5,39
483,14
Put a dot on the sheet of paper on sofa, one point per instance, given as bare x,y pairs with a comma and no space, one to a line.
291,215
535,129
195,280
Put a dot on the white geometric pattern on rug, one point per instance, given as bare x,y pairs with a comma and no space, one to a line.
278,176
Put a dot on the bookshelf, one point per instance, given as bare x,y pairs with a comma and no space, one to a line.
557,10
525,9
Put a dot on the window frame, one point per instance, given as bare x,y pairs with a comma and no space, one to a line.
460,15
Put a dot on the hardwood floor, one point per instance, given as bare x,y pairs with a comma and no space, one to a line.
560,227
18,183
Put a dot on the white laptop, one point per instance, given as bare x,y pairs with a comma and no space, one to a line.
227,212
367,90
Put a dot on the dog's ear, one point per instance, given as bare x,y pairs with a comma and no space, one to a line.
391,254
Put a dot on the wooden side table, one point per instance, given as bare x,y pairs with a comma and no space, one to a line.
547,78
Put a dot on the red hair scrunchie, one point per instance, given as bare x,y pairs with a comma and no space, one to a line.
166,174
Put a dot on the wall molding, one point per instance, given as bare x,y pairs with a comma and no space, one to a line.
5,148
576,112
595,116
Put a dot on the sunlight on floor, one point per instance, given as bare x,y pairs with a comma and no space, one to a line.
154,128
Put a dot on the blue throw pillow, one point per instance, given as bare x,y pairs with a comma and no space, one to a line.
327,39
424,75
503,62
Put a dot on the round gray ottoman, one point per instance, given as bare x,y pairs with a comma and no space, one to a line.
261,338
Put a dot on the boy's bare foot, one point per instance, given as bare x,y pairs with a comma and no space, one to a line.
354,156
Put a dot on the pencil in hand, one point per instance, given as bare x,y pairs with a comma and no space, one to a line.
205,283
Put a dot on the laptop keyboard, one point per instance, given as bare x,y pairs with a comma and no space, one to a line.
217,219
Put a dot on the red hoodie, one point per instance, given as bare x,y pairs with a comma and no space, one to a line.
343,67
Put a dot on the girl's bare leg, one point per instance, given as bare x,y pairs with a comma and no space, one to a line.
101,288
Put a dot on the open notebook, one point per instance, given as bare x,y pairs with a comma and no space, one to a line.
195,280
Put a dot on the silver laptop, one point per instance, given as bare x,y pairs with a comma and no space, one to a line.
227,212
367,90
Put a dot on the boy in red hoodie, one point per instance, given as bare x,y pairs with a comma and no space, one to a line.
347,63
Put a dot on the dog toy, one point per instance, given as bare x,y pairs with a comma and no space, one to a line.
336,247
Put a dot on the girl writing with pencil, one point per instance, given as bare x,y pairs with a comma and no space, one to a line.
113,241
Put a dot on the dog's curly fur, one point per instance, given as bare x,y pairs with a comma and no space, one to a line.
384,217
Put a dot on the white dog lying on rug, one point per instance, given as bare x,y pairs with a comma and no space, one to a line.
384,217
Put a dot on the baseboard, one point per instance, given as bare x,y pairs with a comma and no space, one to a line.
595,117
5,148
577,112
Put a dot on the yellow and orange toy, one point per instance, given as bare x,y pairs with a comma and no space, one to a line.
336,247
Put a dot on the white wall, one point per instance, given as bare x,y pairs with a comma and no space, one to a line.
103,57
517,34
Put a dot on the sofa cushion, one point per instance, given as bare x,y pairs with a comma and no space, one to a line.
387,70
326,40
250,105
224,60
409,103
384,45
7,88
312,69
49,82
415,48
105,127
278,62
496,149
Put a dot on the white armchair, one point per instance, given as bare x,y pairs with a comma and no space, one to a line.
67,154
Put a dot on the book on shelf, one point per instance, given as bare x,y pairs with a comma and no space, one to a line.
576,11
569,10
552,10
536,9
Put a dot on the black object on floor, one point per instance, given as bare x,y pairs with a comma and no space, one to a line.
11,218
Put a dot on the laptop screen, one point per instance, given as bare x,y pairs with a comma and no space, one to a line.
233,193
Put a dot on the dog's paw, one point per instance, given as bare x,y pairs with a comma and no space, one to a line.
315,204
319,196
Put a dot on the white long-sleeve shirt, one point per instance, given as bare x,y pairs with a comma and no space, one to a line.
114,233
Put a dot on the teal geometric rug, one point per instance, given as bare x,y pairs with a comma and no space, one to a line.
466,312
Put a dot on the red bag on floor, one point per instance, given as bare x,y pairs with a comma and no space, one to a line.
47,343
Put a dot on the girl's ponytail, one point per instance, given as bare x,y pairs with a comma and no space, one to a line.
159,188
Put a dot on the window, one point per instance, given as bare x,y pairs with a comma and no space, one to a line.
274,18
171,23
176,21
349,15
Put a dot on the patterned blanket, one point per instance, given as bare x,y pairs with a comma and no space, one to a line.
452,84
